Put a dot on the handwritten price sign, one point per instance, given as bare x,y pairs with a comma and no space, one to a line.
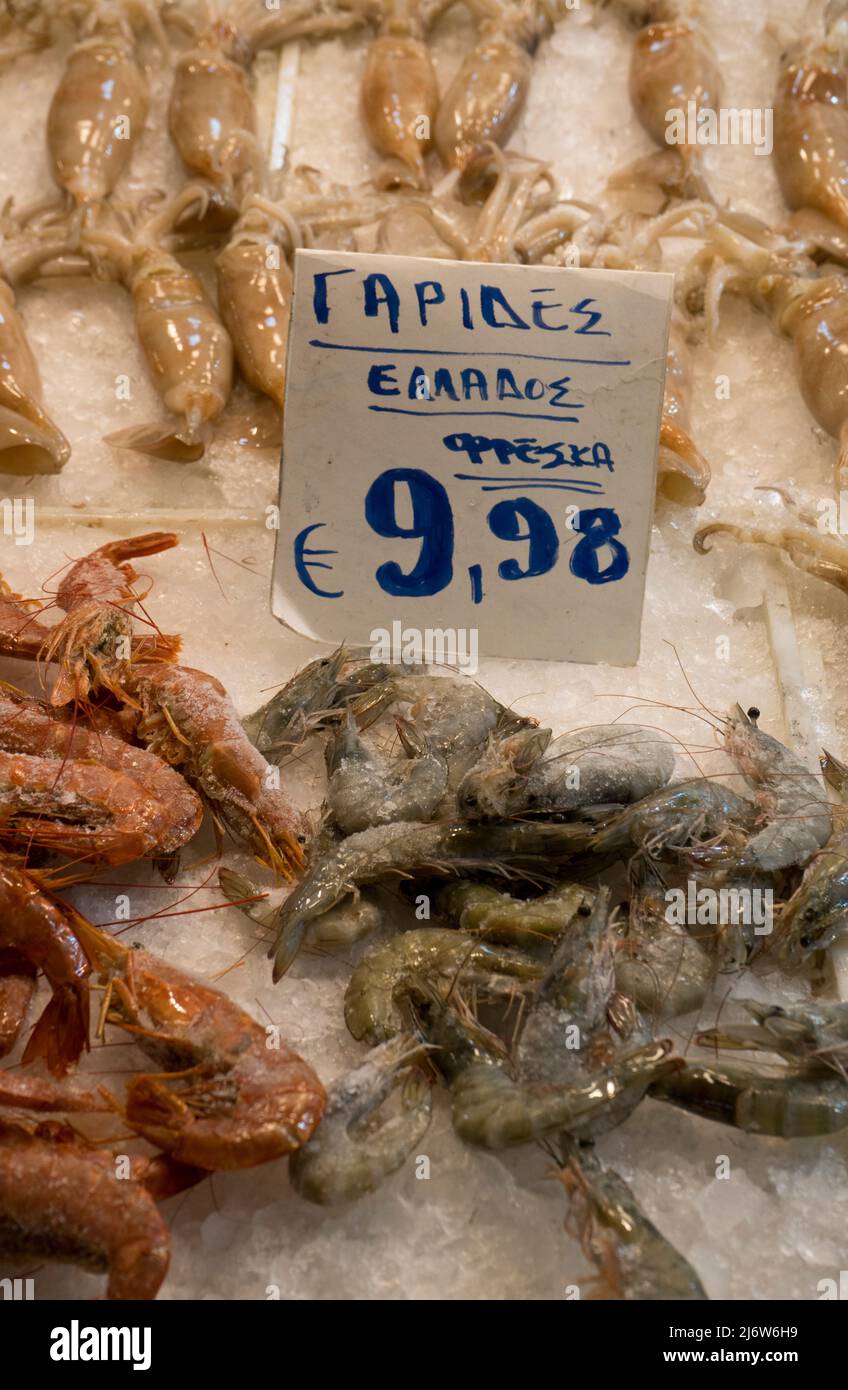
472,446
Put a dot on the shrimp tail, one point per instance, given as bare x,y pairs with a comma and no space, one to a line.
159,441
287,946
61,1034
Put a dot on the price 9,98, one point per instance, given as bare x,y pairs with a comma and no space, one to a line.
598,557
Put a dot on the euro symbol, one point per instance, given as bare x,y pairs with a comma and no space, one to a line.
303,565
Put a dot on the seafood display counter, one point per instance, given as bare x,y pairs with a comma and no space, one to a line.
403,1082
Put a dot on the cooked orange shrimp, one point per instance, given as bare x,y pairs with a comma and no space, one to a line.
184,716
99,109
44,932
83,810
62,1200
93,643
185,344
17,987
229,1096
187,718
23,1091
21,631
162,811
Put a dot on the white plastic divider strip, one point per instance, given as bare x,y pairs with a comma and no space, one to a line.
286,90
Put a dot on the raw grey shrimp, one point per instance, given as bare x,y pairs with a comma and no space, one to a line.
285,720
350,921
310,701
574,994
813,1034
817,913
186,346
60,1200
364,788
228,1095
658,964
399,95
494,1111
44,932
578,1021
376,1000
672,822
100,107
789,799
455,715
488,94
481,910
633,1259
603,764
354,1147
400,851
93,642
493,787
785,1104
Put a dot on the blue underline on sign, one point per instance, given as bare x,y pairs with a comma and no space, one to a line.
515,414
470,352
529,486
576,484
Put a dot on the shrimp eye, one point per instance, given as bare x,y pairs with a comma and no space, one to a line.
809,915
301,839
471,800
807,942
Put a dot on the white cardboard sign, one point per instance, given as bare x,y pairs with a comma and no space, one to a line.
470,447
